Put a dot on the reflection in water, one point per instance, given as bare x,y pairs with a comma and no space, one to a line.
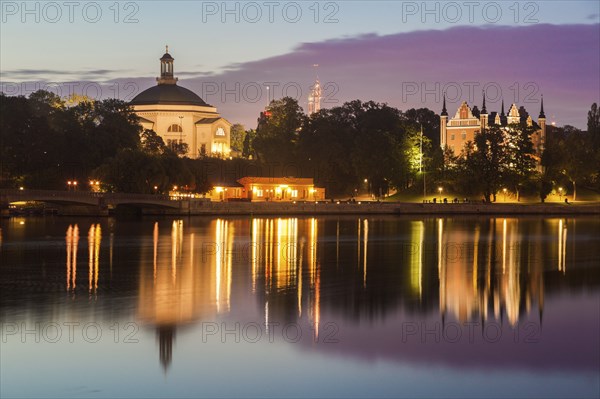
281,250
72,239
470,281
562,243
476,270
416,257
183,288
94,239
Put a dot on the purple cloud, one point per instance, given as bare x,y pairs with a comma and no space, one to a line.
406,70
412,70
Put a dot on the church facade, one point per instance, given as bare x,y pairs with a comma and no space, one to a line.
180,116
455,132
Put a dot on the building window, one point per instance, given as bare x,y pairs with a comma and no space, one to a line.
452,136
203,149
464,135
294,193
220,132
175,128
259,193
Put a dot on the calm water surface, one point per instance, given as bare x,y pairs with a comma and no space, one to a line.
300,307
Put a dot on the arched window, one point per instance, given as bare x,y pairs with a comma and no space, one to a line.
175,128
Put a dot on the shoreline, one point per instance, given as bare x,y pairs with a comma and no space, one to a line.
387,208
207,208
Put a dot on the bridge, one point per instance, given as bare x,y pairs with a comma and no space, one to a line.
93,202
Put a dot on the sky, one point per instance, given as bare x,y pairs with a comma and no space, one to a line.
401,52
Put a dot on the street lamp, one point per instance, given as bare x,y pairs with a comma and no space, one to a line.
69,183
504,191
440,191
560,190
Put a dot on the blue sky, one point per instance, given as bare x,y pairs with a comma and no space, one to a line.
39,42
205,38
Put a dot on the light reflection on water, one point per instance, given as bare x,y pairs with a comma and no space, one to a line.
522,293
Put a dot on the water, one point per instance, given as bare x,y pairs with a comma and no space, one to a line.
300,307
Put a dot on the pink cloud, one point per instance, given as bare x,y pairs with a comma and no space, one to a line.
561,62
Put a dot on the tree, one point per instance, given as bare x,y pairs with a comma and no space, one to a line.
152,143
238,136
429,120
520,167
593,131
593,126
484,162
248,148
577,157
277,131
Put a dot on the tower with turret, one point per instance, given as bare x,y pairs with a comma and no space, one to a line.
443,123
166,69
483,115
542,124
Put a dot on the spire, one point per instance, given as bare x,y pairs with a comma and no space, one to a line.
502,112
314,97
542,115
483,110
166,69
444,111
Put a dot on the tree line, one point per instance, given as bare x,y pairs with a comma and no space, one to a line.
359,146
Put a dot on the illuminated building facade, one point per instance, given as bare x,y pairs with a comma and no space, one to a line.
281,189
178,115
455,132
314,98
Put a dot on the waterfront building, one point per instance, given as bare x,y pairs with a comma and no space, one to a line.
179,115
455,132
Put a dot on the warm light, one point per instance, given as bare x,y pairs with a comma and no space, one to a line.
156,187
504,190
219,189
366,180
174,187
21,188
440,189
69,183
74,183
560,189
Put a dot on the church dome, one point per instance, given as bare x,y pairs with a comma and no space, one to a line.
168,94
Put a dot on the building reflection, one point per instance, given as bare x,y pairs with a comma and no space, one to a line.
72,240
495,271
94,239
480,269
190,280
285,263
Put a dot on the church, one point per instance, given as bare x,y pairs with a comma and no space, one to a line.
466,123
178,115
